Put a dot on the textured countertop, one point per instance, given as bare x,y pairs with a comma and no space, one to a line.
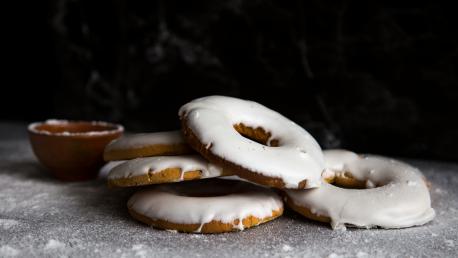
40,216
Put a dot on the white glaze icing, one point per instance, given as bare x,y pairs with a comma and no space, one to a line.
402,200
106,169
297,158
139,140
151,165
174,202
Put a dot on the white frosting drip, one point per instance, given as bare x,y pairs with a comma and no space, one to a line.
297,158
402,200
136,141
151,165
170,203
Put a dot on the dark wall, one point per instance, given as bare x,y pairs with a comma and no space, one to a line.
376,78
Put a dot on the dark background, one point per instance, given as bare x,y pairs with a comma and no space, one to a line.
378,78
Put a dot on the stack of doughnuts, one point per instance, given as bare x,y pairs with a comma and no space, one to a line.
234,162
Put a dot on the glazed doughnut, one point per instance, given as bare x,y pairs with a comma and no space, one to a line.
205,206
146,145
396,195
254,142
162,169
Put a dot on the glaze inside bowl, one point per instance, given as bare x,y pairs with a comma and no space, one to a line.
68,128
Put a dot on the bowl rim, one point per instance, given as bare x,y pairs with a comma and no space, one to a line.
116,128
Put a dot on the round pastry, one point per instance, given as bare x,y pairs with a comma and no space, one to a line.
254,142
146,145
205,206
395,194
162,169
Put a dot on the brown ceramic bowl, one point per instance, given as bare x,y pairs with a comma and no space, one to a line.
72,150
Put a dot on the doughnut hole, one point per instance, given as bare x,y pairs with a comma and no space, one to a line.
257,134
225,187
202,193
348,181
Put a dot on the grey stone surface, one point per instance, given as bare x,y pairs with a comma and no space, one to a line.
42,217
